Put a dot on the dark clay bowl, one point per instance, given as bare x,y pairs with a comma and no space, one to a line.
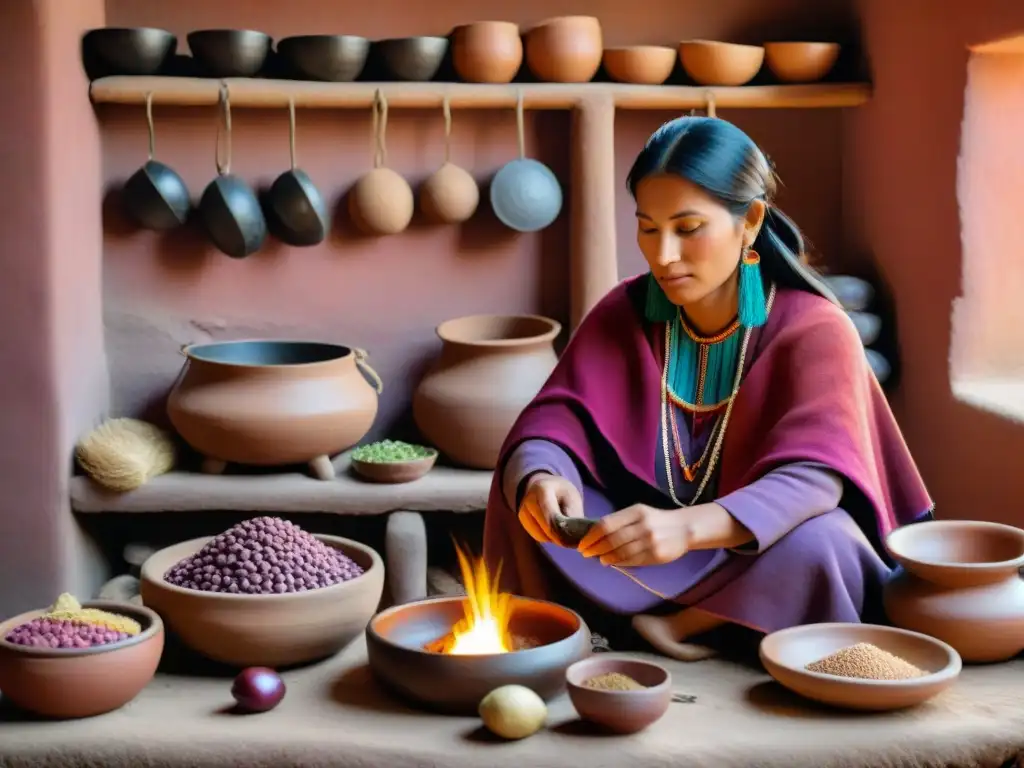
413,59
229,52
394,471
455,684
331,58
72,683
129,50
620,711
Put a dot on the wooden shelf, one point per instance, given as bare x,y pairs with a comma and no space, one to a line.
246,92
443,489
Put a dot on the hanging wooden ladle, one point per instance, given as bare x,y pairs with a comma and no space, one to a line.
155,196
297,211
229,208
450,195
525,194
381,202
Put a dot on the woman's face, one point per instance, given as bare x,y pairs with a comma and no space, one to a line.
691,242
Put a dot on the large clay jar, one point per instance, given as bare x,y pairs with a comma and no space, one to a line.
273,403
489,369
487,51
960,583
566,49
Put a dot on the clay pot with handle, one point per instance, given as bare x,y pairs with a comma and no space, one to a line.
490,368
273,403
961,584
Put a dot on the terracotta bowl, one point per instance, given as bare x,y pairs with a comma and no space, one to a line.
801,62
566,49
958,553
620,711
709,62
639,64
786,653
265,630
394,471
66,683
395,641
487,51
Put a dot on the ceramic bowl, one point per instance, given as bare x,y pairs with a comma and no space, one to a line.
330,58
265,630
487,51
958,553
801,62
786,653
620,711
566,49
709,62
639,64
71,683
394,471
413,59
396,640
129,51
229,52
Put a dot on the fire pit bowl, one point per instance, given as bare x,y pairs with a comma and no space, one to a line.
395,641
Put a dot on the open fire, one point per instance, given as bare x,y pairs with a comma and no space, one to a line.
484,627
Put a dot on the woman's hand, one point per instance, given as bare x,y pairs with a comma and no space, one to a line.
546,497
639,535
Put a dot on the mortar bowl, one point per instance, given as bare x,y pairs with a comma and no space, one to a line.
396,639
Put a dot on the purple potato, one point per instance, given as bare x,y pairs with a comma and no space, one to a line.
258,689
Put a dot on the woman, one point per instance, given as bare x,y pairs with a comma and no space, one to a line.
716,416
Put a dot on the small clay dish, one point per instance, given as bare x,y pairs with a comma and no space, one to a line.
229,52
620,711
786,654
129,51
394,471
330,58
413,59
639,64
800,62
71,682
709,62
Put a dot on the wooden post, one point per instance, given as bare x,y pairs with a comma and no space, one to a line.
594,268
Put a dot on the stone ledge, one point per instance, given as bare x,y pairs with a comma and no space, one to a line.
443,489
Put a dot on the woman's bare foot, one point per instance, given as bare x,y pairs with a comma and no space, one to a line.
668,633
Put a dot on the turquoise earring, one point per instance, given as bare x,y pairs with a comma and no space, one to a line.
658,308
753,306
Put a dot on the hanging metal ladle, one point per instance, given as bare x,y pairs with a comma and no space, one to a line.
297,211
229,208
155,196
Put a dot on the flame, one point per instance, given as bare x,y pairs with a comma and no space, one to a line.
483,629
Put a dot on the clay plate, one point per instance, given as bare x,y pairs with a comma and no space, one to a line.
620,711
394,471
72,683
786,653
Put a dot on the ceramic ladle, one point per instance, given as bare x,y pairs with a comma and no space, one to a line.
155,196
229,208
298,214
451,194
525,194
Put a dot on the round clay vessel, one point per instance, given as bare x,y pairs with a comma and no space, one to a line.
71,683
800,62
395,640
265,630
640,64
381,202
709,62
450,195
487,51
566,49
394,471
271,403
785,655
620,711
960,583
489,369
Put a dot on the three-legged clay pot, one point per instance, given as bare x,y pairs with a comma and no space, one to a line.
273,403
961,584
490,368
